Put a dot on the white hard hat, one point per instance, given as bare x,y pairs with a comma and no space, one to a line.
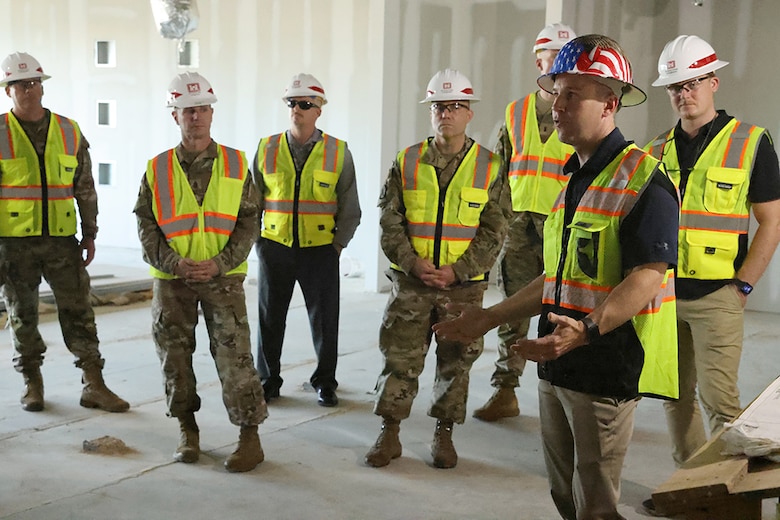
553,37
190,89
686,57
449,85
304,85
20,65
600,58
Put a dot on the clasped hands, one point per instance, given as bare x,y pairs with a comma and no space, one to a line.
432,276
196,271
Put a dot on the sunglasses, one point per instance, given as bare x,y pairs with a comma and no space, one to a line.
25,84
303,105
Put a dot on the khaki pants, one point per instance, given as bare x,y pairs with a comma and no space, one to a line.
709,332
585,439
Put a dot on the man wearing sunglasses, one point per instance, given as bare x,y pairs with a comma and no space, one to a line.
45,173
724,168
532,161
310,211
442,227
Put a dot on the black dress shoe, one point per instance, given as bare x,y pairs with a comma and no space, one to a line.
270,391
327,397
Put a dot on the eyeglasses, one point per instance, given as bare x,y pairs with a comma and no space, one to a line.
25,85
440,108
688,86
303,105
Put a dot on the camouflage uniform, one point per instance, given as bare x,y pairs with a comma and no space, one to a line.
23,260
222,300
519,263
413,307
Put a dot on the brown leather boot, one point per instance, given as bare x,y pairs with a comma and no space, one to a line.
503,403
249,452
189,441
97,395
387,446
442,450
32,397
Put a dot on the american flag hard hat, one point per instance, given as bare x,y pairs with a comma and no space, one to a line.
605,63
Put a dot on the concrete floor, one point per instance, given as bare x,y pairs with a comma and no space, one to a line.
314,456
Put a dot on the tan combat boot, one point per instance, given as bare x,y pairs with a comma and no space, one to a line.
32,398
387,446
248,454
442,450
97,395
503,403
189,442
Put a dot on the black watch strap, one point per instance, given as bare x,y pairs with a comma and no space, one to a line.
591,329
744,287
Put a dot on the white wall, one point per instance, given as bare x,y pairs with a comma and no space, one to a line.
374,58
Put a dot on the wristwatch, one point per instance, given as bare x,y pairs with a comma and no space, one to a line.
591,329
743,287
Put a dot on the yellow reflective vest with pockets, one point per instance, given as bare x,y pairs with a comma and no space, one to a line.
715,209
536,168
592,265
21,189
316,198
194,231
442,225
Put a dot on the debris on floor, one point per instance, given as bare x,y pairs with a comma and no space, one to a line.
107,445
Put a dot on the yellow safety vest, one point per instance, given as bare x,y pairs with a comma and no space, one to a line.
592,265
196,231
21,190
536,168
317,198
715,209
442,234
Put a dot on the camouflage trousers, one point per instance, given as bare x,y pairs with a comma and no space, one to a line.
174,318
404,340
23,261
519,263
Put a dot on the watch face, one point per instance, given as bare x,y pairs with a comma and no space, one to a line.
746,288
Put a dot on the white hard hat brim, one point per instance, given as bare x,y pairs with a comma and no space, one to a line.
21,77
680,77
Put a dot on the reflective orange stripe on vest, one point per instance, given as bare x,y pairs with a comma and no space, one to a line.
170,221
521,164
70,141
481,176
330,162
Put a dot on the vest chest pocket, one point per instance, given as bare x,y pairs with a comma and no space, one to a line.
723,188
324,186
274,185
472,202
15,172
68,165
589,241
415,202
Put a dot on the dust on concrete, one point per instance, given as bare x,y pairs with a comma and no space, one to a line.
107,445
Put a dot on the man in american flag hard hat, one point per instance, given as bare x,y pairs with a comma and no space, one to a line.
607,321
